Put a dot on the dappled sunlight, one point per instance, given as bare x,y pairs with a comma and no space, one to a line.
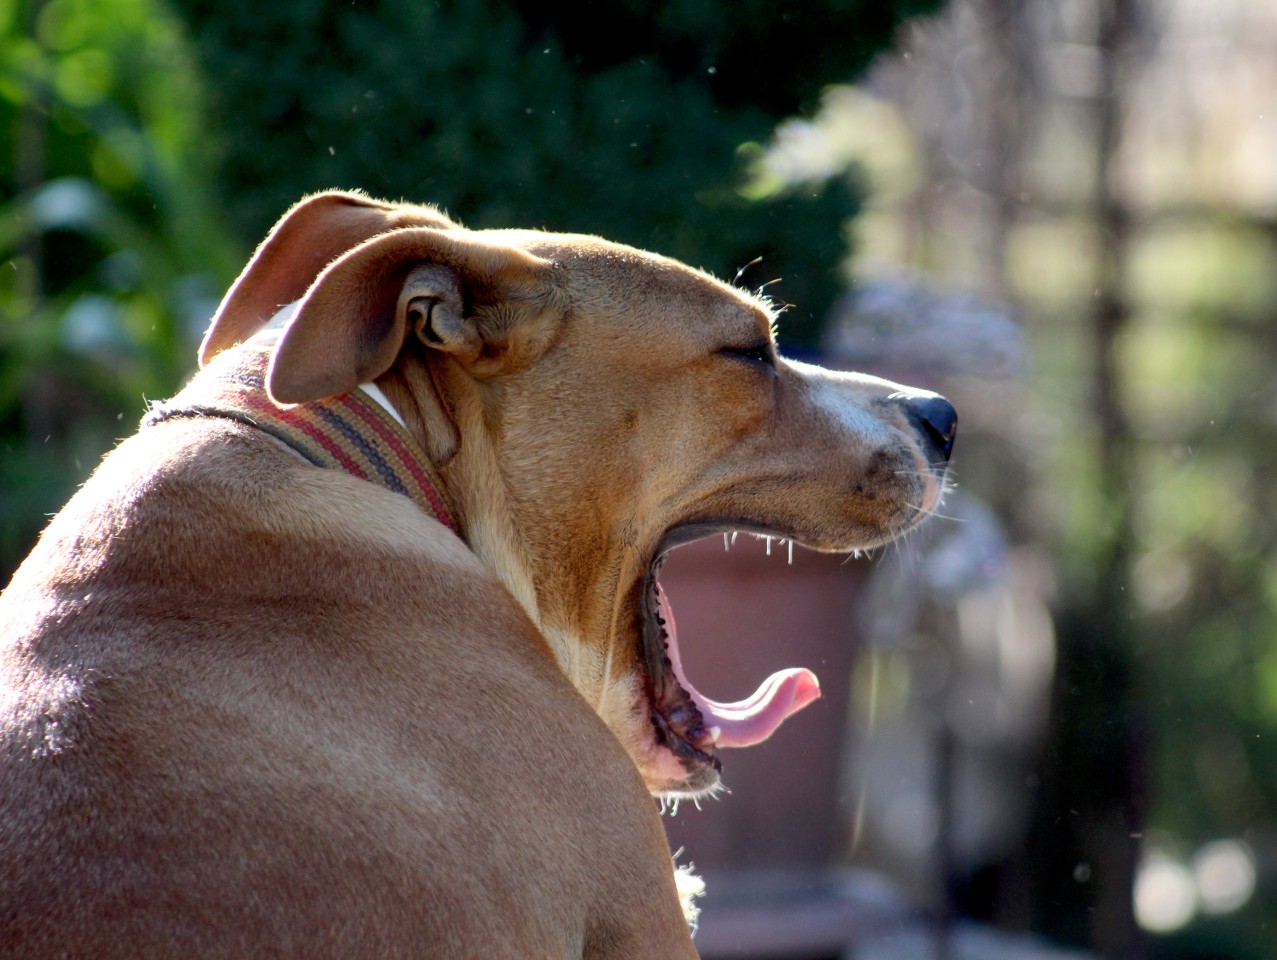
1218,879
1053,706
1165,895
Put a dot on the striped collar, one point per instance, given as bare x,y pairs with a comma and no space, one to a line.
357,432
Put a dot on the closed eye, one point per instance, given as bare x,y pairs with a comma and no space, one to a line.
759,354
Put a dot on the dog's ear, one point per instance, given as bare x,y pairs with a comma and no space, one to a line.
312,234
460,293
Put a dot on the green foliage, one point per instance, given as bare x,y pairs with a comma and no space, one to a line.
1194,369
753,55
109,246
619,119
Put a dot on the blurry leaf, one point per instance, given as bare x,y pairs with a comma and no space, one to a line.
107,232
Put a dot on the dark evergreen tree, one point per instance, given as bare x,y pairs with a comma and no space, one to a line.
624,119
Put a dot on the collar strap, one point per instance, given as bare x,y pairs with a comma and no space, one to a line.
353,432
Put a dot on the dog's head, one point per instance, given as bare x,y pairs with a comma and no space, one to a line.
590,407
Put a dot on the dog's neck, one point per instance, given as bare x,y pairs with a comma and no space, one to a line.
566,584
493,533
357,433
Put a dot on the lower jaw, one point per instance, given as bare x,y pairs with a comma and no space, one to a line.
668,777
677,766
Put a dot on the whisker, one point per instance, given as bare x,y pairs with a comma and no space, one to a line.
741,271
933,512
946,517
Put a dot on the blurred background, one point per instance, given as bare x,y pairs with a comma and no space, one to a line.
1050,724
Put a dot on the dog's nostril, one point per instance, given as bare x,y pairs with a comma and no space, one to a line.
936,421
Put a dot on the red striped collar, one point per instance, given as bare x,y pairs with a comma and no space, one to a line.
353,433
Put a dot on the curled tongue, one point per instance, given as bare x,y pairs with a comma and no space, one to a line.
754,719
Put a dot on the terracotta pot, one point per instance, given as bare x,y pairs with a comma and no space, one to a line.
741,615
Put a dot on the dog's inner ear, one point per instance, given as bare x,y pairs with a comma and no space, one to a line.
490,314
433,308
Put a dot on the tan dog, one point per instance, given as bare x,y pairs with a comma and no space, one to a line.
252,708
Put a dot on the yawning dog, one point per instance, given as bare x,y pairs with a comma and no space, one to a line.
357,647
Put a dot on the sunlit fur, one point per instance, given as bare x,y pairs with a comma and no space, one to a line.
249,707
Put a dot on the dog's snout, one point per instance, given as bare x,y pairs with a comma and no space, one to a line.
936,422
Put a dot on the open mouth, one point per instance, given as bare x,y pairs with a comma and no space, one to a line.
688,724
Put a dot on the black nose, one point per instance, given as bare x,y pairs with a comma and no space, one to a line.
937,424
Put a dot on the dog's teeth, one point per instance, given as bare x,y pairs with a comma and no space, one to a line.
715,733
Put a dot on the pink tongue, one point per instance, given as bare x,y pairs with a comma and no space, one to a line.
754,719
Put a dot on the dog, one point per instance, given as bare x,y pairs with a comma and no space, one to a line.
357,648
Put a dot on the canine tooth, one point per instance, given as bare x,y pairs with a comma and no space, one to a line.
715,733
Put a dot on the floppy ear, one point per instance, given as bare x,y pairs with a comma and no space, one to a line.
312,234
353,321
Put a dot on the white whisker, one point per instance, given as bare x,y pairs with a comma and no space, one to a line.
741,272
939,516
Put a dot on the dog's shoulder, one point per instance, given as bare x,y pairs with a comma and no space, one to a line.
217,641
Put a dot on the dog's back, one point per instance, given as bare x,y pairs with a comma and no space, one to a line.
226,732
